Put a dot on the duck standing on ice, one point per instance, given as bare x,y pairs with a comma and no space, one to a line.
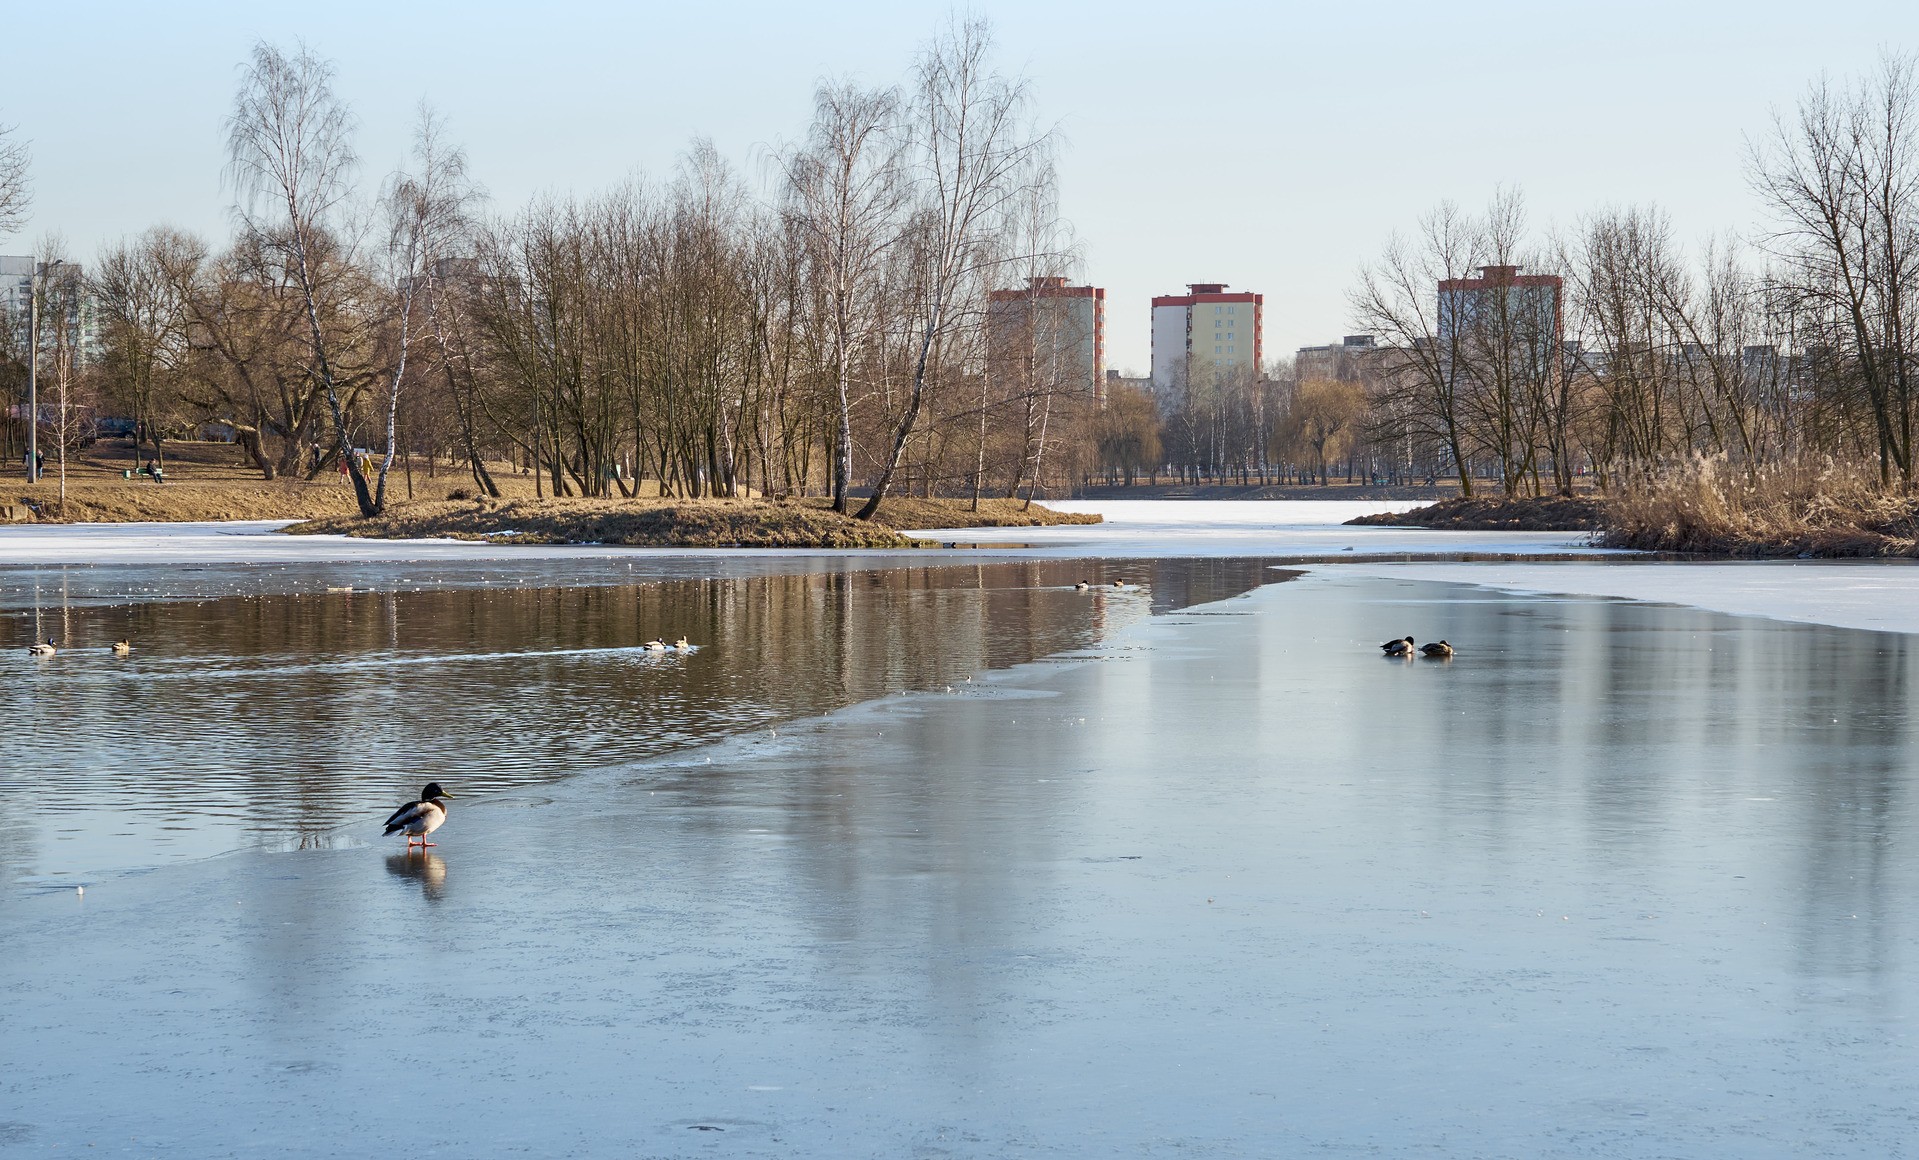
420,818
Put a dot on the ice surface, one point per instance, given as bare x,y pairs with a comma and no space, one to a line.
261,541
1133,528
1881,595
1277,528
1622,880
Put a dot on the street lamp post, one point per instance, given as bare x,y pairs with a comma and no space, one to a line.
33,371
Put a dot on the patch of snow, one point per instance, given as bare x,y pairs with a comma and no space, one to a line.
261,542
1256,528
1132,528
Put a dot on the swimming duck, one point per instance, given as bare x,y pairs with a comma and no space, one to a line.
654,645
1442,649
420,818
122,647
682,646
1081,586
1119,583
42,650
1403,647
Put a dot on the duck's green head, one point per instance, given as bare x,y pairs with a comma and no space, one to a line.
432,791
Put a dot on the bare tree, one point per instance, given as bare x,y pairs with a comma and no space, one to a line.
290,161
1842,179
1397,298
844,195
971,148
143,323
59,290
16,187
1040,336
1322,420
427,220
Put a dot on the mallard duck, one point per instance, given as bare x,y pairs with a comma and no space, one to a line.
682,645
1442,649
1081,586
122,647
420,818
1119,583
654,645
42,650
1403,647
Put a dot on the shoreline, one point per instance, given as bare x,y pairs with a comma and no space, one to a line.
129,564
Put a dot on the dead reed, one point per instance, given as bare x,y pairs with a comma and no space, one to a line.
1808,509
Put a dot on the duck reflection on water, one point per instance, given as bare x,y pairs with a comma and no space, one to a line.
428,868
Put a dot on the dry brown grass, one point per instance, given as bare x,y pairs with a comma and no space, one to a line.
215,481
693,523
697,523
207,481
175,502
1806,510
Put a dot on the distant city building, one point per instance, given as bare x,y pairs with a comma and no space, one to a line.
16,306
1502,305
1116,381
1353,359
1204,331
1049,333
16,282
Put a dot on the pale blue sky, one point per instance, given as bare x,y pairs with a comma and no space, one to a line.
1337,123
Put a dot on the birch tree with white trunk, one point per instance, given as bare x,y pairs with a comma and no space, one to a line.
427,220
971,147
845,194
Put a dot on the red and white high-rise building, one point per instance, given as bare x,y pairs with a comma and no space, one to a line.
1205,331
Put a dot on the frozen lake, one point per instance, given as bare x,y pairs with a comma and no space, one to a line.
1623,879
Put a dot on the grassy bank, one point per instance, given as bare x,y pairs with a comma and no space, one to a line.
176,502
706,523
1500,514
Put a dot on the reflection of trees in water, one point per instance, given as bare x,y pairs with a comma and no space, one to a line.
327,706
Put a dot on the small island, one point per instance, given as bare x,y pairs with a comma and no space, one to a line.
684,523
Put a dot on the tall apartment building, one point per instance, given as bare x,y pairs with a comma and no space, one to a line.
16,281
1504,306
16,304
1049,331
1204,332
